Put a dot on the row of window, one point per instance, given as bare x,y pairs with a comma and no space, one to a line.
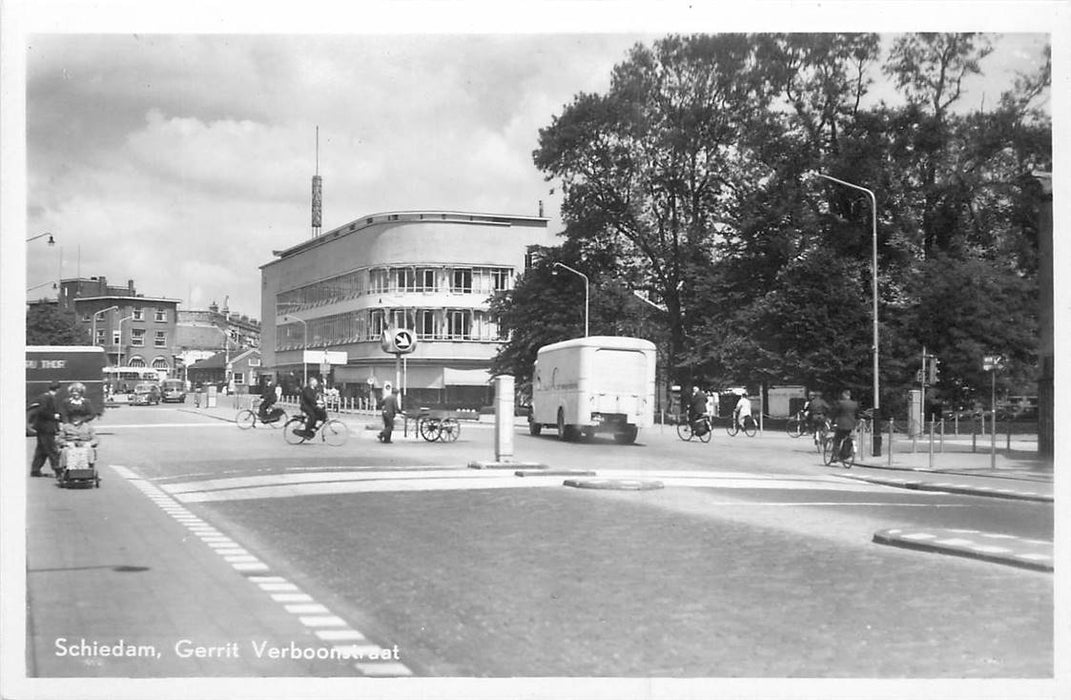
159,315
158,363
137,337
386,280
369,324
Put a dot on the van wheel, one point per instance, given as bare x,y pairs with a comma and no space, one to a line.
627,435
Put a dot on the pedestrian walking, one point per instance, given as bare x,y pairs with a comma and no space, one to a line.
388,409
45,422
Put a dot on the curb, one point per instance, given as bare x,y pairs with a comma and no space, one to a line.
973,544
960,489
553,472
987,473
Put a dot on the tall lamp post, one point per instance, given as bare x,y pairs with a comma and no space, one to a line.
51,240
586,285
119,352
304,342
874,291
226,355
98,313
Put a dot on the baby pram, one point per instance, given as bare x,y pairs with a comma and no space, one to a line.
77,466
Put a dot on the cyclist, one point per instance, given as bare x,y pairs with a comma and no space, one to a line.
743,408
844,419
312,405
271,394
697,409
815,412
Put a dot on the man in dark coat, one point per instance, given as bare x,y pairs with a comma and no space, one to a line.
389,410
46,420
312,405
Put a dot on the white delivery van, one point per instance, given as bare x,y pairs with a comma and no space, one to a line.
595,384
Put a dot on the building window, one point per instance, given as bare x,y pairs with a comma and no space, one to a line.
116,338
461,281
403,318
377,324
161,315
426,323
500,277
239,377
137,337
405,279
160,339
101,335
139,314
426,279
458,325
379,281
160,363
136,362
85,318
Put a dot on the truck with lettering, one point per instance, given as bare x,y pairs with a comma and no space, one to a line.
595,384
65,364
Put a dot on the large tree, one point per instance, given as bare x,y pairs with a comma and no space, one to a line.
47,325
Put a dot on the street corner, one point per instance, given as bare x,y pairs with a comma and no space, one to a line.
962,487
974,544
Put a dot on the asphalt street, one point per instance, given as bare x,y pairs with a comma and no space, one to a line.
750,559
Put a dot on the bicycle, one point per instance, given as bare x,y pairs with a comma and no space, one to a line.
332,431
821,432
837,451
750,427
432,428
249,417
699,428
796,425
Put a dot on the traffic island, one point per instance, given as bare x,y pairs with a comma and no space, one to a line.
960,488
507,465
973,544
615,484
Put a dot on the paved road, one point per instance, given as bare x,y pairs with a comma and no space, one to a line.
753,560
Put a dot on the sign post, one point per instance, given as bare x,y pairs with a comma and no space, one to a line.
504,418
992,363
398,342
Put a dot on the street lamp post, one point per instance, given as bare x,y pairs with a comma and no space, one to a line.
874,292
51,240
586,285
98,313
304,342
119,352
226,355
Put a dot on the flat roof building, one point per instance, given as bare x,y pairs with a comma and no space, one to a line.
431,272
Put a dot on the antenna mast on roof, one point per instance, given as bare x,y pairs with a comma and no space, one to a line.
317,192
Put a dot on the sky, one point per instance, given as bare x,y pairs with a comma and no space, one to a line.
181,159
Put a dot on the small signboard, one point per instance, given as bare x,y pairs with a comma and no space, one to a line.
325,357
399,341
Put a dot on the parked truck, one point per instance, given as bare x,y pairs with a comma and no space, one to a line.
594,384
65,364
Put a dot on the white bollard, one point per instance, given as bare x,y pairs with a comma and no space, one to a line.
504,418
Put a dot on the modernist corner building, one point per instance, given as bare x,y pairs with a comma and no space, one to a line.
431,272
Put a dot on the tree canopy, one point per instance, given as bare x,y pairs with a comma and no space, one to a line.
692,181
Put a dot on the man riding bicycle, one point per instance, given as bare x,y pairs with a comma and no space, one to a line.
844,418
743,408
268,398
312,405
697,410
815,411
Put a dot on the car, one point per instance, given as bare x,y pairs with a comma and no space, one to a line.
173,390
145,394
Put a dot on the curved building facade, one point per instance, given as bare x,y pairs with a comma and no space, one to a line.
431,272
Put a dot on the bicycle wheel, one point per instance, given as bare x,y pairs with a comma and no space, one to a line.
732,428
295,423
705,435
449,430
684,431
820,436
828,451
334,432
795,427
245,419
750,426
847,458
278,422
429,429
